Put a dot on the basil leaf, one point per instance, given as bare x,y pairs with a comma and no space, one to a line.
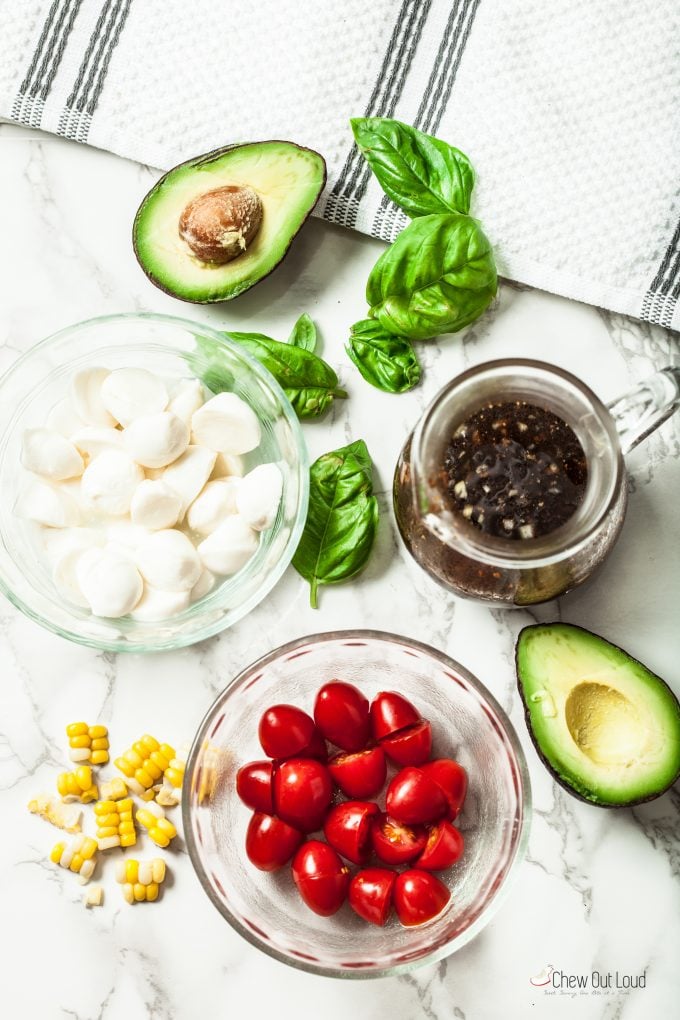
437,277
303,334
342,518
420,173
387,362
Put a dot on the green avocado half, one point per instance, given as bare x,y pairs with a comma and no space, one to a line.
605,726
286,177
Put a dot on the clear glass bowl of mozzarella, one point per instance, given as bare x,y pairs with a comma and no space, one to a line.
140,510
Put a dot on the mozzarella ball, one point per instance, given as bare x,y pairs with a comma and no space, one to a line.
259,495
86,396
229,547
212,505
205,584
47,504
228,465
226,423
156,606
155,440
63,418
168,560
65,577
129,393
189,473
126,536
91,440
109,482
49,454
110,582
155,505
188,398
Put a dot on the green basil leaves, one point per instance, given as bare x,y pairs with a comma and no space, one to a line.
385,361
304,334
420,173
437,277
342,519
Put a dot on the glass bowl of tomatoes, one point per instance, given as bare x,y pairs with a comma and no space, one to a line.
354,848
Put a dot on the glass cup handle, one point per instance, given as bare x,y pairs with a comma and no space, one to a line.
641,410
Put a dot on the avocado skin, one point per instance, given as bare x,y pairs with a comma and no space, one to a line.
196,162
594,802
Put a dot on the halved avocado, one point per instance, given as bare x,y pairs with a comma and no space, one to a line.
605,726
286,177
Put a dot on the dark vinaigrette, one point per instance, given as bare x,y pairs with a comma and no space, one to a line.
515,470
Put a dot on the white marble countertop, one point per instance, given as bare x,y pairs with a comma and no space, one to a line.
598,890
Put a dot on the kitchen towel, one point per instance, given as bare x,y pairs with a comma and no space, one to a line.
568,110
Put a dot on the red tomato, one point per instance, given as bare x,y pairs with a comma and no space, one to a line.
451,778
270,842
370,894
390,713
418,897
316,748
285,731
443,848
348,829
321,877
395,843
359,775
254,785
341,713
414,798
303,791
411,746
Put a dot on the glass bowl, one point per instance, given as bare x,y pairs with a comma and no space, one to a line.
467,724
161,344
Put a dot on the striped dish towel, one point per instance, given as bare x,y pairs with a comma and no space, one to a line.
568,110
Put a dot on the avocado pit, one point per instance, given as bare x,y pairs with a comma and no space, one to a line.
219,225
605,724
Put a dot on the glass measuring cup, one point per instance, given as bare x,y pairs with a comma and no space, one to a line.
497,570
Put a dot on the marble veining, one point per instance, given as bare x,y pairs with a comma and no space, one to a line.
598,890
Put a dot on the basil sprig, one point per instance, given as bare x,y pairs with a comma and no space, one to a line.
303,334
420,173
385,361
342,519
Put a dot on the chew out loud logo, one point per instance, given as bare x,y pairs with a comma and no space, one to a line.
552,979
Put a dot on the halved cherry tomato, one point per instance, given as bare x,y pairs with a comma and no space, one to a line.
395,843
359,775
451,778
370,894
414,798
411,746
285,731
316,748
270,842
303,791
443,848
348,829
321,877
391,712
341,713
254,785
418,897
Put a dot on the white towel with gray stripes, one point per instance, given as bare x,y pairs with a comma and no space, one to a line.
568,110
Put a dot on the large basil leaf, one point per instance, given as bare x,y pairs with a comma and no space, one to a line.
303,334
342,518
437,277
387,362
420,173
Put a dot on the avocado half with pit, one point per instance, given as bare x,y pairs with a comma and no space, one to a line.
215,226
606,726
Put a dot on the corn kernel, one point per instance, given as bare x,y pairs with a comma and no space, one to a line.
158,870
77,785
151,892
94,897
141,880
57,851
76,729
175,772
99,757
98,733
88,743
114,822
160,829
78,856
129,892
144,765
114,789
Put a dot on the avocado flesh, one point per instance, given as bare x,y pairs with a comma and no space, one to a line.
287,177
606,726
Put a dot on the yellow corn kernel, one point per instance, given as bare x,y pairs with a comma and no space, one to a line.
76,729
158,870
56,852
129,892
175,772
149,742
83,776
114,789
159,760
124,766
115,825
152,769
140,892
76,863
100,744
167,751
77,785
82,740
88,847
166,827
99,757
143,778
151,891
97,732
131,871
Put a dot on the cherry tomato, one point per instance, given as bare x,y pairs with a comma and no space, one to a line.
321,877
414,798
348,829
359,775
254,785
451,778
370,894
411,746
303,791
285,731
395,843
418,897
270,842
390,713
341,713
316,748
443,848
